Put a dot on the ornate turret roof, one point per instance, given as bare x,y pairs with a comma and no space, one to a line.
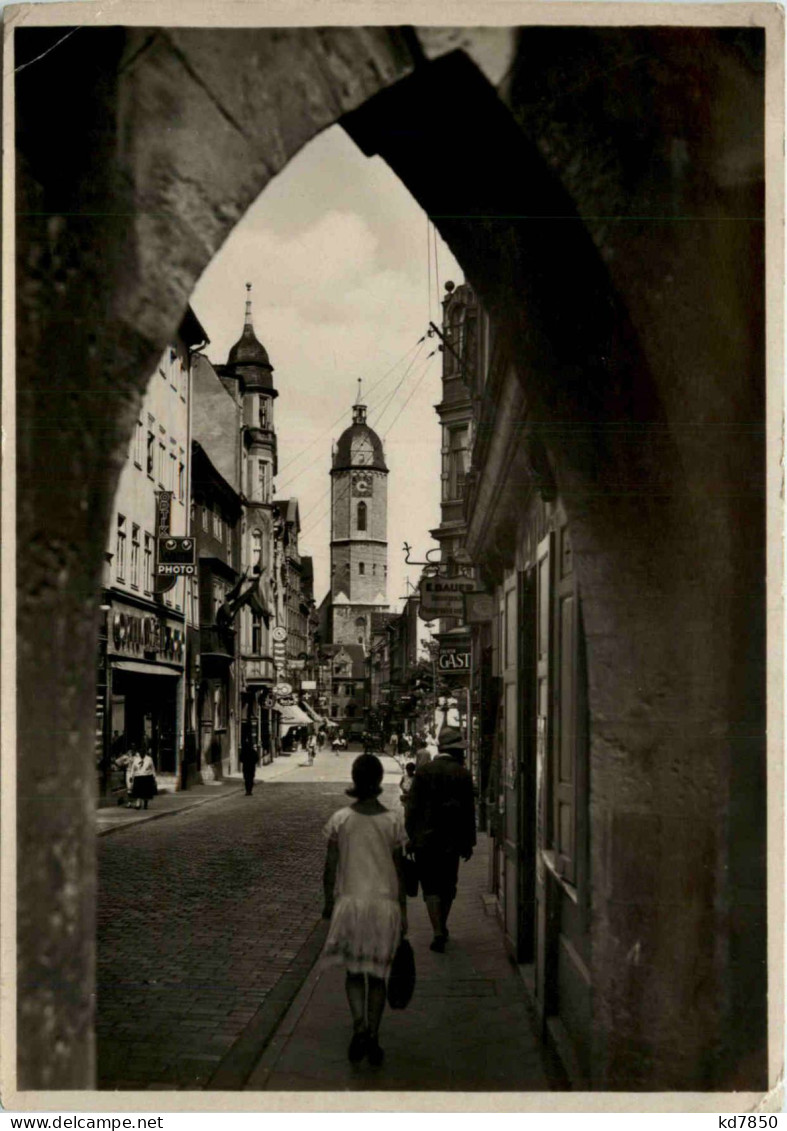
359,436
249,353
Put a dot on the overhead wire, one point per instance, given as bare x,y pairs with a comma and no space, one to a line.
411,393
376,385
418,381
399,384
292,479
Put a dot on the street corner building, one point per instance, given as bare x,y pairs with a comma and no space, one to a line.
605,471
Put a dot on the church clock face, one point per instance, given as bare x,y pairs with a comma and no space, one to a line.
362,485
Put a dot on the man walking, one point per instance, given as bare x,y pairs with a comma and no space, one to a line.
248,761
440,821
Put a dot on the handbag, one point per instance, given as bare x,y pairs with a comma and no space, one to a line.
401,980
410,873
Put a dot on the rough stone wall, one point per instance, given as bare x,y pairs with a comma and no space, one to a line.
118,218
638,343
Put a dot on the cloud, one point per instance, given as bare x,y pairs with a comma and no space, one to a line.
339,271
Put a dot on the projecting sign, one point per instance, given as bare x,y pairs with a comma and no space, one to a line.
309,685
479,607
453,660
281,690
443,596
175,557
279,633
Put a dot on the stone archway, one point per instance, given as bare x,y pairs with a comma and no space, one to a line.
119,217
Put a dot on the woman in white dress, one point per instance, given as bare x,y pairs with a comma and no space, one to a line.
365,900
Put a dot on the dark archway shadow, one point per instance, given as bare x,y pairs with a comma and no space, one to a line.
117,218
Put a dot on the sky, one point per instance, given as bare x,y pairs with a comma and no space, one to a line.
342,265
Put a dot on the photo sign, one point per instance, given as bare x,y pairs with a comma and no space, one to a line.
443,596
175,557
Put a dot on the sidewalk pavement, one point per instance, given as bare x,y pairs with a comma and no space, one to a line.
469,1026
290,769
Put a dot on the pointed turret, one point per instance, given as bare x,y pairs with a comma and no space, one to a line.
248,358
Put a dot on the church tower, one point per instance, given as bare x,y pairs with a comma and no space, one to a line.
359,531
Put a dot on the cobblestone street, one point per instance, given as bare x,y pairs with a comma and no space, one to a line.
204,918
209,930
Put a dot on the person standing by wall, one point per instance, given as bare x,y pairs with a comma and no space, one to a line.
440,820
144,780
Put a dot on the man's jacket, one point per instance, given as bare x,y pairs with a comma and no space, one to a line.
441,809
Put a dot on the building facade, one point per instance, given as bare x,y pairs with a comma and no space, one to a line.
142,699
359,533
212,638
248,376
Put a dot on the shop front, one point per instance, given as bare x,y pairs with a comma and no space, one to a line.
259,723
143,692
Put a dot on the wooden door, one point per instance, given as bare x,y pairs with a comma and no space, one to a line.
509,670
543,696
563,981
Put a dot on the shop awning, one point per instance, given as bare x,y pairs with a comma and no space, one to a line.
141,668
293,716
313,715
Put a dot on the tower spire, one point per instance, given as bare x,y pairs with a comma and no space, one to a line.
359,408
247,320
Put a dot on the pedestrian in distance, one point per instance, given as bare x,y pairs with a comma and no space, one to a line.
311,746
320,738
394,744
144,780
125,762
249,760
423,753
440,820
406,784
365,901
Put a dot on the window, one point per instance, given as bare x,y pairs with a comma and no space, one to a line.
374,569
362,516
263,411
135,556
194,601
139,441
181,481
256,551
256,634
264,481
120,548
148,580
217,528
229,545
361,567
151,453
218,598
162,462
204,517
456,457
